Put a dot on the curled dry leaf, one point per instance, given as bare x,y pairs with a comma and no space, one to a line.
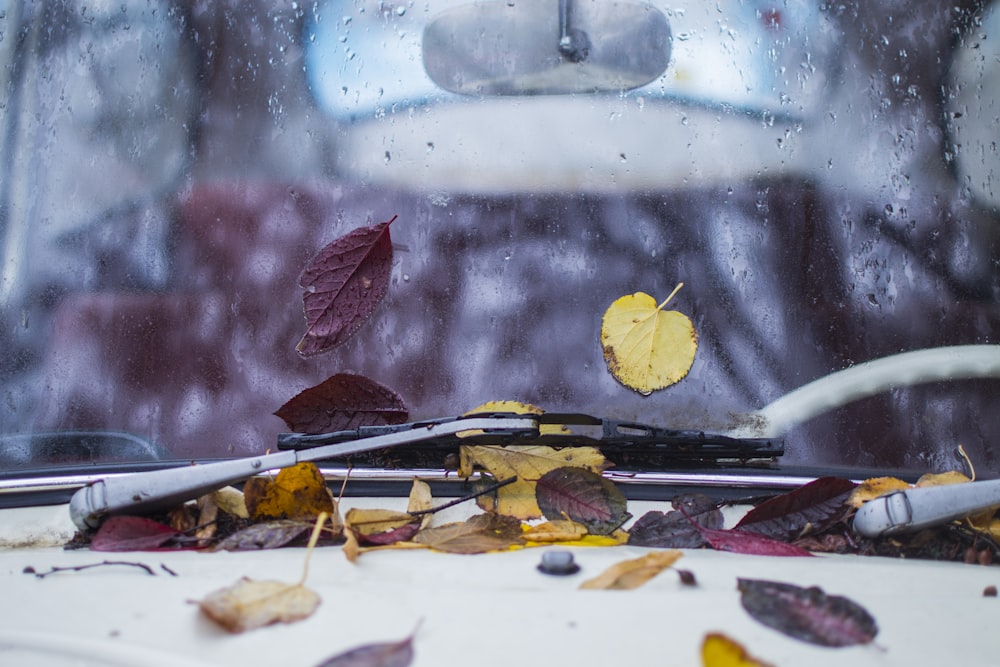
343,284
582,496
343,402
718,650
231,501
249,604
298,492
421,500
629,574
382,654
527,463
556,531
808,614
381,527
647,348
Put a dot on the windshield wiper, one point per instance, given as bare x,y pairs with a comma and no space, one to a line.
162,489
571,429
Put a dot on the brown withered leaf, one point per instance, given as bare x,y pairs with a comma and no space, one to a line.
343,402
343,285
266,535
479,534
527,463
629,574
298,492
582,496
250,604
807,614
810,509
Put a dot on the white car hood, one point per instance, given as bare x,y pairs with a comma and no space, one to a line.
489,609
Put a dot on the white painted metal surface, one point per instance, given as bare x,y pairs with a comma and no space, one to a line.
491,609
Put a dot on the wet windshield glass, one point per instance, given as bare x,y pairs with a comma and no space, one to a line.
821,179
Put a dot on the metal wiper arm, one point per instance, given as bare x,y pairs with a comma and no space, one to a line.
163,489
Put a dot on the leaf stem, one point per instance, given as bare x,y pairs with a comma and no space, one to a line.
80,568
672,294
482,492
317,527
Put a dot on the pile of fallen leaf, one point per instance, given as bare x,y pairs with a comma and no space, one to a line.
533,496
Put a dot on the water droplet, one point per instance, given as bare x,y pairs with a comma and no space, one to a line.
400,10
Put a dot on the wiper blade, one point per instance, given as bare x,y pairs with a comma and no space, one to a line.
572,429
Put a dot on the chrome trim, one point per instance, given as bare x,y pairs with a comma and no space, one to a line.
746,480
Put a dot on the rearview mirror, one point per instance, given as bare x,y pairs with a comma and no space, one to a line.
538,47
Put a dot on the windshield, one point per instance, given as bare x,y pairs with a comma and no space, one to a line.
820,178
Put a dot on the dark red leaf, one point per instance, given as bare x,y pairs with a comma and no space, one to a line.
807,614
400,534
745,542
344,283
809,509
584,497
343,401
673,530
132,533
384,654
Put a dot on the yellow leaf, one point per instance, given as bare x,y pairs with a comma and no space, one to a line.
250,604
880,486
517,408
629,574
298,492
556,531
873,488
647,348
421,500
528,463
942,478
718,650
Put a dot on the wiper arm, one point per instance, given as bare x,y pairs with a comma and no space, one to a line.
163,489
